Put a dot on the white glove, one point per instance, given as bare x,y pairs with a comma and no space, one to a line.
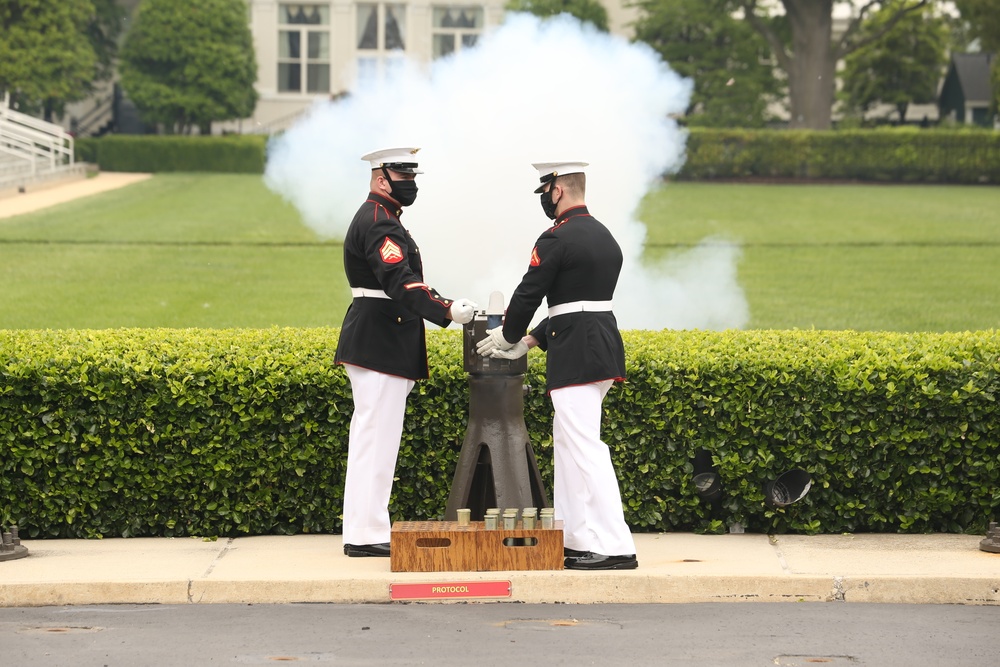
493,341
462,311
519,350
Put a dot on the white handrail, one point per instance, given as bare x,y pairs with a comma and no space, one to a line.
33,139
30,121
277,124
35,135
35,144
17,152
6,113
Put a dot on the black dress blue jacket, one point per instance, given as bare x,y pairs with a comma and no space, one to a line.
577,259
387,335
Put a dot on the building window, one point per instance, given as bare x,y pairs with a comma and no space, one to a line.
303,48
455,28
381,39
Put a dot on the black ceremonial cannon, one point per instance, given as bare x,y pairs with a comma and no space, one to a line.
497,466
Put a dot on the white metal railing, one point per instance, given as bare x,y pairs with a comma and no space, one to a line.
278,124
45,146
102,111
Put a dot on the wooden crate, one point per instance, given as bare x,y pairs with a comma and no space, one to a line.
444,546
522,549
433,546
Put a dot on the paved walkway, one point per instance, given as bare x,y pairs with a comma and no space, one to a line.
673,567
50,195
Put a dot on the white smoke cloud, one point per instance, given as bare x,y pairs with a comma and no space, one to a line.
530,91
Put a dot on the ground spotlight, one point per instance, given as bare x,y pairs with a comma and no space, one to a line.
790,487
706,479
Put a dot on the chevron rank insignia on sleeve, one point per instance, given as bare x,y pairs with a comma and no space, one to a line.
391,254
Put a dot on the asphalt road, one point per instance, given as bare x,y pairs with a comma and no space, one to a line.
787,634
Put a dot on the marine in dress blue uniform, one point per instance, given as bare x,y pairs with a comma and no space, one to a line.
382,343
575,265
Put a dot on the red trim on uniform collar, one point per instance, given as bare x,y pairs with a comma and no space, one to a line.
390,204
573,212
573,208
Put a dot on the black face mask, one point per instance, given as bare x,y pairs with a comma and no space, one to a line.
548,205
405,192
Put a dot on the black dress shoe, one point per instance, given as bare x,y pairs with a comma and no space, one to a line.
362,550
594,561
573,553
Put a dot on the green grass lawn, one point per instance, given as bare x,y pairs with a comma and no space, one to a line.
865,257
184,250
174,251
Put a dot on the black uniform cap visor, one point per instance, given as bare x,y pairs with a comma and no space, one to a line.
546,179
402,167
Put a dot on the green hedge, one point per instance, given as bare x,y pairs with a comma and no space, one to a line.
161,432
889,155
970,156
236,154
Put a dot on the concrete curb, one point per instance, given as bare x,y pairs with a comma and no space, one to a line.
673,568
551,588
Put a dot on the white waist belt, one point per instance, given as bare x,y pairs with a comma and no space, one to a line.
360,292
580,306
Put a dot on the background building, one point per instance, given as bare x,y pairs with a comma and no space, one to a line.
307,51
311,50
967,94
322,49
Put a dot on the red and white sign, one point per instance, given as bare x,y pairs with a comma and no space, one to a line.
450,590
391,254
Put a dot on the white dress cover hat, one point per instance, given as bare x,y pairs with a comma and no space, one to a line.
549,170
402,160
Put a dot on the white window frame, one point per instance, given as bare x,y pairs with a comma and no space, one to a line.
459,33
373,63
309,35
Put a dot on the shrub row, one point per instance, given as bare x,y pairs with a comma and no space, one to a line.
889,155
236,154
154,432
897,155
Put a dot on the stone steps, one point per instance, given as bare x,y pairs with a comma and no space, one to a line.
18,181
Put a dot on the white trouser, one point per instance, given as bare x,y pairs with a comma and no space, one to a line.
372,448
587,498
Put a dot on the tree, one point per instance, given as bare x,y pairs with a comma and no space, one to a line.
995,82
46,59
588,11
809,57
903,66
103,30
187,64
726,58
983,19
